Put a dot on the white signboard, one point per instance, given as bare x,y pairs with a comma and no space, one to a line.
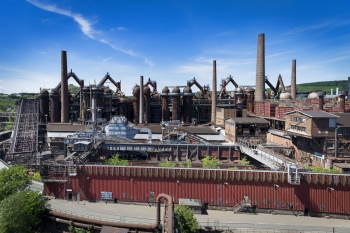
106,195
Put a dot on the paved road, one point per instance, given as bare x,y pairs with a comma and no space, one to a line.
215,218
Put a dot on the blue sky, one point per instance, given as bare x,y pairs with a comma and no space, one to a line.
170,41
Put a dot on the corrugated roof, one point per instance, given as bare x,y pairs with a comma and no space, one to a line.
210,137
155,128
145,136
249,120
314,113
65,128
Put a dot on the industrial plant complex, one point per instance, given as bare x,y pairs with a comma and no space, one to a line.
281,132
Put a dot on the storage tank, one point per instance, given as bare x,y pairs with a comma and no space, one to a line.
147,95
123,107
44,100
136,102
285,95
55,113
176,103
165,104
187,104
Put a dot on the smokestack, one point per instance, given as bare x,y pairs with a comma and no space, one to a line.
213,98
260,69
320,95
64,89
293,85
141,101
342,95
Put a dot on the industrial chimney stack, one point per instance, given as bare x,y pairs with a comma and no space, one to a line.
64,89
260,69
214,95
141,112
293,85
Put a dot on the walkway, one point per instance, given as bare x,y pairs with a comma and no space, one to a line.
215,218
263,155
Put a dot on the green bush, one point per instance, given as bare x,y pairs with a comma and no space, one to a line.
210,162
167,164
115,160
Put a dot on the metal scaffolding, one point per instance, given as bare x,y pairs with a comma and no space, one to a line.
25,135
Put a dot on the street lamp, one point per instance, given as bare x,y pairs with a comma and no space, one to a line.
46,118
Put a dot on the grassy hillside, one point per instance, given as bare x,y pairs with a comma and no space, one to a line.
323,86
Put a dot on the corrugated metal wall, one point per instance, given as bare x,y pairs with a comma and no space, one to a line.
216,187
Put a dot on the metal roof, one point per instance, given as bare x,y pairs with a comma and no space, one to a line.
314,113
145,136
344,119
210,137
199,130
3,165
342,165
249,120
108,229
156,128
65,128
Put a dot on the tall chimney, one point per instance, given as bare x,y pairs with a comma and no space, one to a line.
342,95
214,95
293,85
64,89
141,112
260,69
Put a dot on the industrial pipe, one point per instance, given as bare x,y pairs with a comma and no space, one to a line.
154,226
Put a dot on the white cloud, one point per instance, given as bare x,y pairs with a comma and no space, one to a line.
87,28
121,28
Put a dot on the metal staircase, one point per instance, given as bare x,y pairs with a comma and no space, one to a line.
25,135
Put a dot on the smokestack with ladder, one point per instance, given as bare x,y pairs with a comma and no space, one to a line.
64,89
214,95
141,112
260,69
293,85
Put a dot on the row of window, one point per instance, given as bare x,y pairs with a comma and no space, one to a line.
299,119
298,128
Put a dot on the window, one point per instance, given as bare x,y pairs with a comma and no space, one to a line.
332,122
330,145
299,119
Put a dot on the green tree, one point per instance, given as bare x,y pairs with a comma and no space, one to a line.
210,162
12,180
21,212
167,164
37,176
245,161
189,163
73,229
115,160
185,219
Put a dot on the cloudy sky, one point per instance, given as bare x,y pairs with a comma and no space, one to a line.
170,41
